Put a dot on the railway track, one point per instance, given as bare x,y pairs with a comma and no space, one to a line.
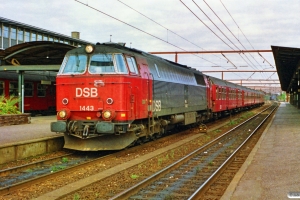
190,176
85,170
20,176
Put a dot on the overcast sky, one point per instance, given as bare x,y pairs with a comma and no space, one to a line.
173,26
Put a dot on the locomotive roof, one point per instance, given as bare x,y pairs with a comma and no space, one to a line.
124,48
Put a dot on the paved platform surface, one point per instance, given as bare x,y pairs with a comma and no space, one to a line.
272,170
37,129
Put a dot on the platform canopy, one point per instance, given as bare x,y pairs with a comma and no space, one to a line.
39,60
287,60
33,56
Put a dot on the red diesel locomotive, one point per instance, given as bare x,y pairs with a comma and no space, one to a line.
110,96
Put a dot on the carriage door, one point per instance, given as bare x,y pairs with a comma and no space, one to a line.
227,95
243,97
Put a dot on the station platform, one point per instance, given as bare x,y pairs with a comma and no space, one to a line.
37,129
272,169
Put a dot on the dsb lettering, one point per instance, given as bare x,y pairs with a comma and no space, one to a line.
86,92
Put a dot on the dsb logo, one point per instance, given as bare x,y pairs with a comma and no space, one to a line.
86,92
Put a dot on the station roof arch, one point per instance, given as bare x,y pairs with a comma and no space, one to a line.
287,60
34,56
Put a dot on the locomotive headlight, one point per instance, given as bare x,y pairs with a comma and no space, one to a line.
89,48
106,114
62,114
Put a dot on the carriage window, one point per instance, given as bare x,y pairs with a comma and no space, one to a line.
132,65
1,88
13,89
74,64
102,63
220,93
28,89
41,90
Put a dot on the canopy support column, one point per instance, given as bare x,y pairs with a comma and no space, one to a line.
21,90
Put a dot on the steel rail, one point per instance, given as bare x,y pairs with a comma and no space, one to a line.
7,171
19,185
198,192
128,192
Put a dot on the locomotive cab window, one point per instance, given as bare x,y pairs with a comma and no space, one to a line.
120,62
107,63
102,63
74,64
132,65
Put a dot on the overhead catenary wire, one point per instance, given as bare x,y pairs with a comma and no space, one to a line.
150,34
214,24
168,30
206,25
210,30
160,24
139,29
232,35
252,65
239,28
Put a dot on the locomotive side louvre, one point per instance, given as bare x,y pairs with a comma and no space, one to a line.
178,92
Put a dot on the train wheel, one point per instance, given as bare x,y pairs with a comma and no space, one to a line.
161,133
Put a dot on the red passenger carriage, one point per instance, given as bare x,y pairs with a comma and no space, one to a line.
226,97
38,98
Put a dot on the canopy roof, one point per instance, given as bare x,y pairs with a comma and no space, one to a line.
35,53
287,62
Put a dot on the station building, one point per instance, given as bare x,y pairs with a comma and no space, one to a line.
13,33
